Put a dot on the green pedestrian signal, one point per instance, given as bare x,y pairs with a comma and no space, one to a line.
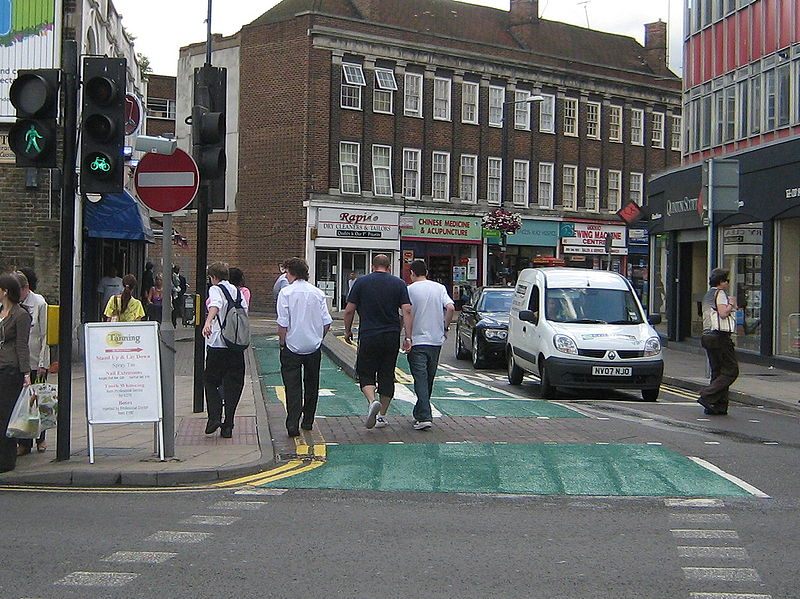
32,137
34,93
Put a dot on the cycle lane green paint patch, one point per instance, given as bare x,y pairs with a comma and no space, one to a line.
509,468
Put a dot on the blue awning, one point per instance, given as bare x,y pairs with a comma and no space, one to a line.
117,216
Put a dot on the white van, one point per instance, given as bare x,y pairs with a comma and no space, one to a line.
580,328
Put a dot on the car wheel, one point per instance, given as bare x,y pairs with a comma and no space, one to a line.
461,353
515,373
650,394
478,361
547,389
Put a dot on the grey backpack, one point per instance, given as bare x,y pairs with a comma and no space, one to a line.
235,328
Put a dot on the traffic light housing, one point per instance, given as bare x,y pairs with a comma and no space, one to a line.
103,124
208,133
34,93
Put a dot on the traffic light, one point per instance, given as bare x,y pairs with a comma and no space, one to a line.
103,124
34,93
208,132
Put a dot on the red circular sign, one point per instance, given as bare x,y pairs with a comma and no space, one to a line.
166,183
133,114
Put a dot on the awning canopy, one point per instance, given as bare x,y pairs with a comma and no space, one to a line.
117,216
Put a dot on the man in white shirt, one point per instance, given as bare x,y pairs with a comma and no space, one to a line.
303,320
432,310
224,366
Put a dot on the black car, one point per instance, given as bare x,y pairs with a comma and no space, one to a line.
482,327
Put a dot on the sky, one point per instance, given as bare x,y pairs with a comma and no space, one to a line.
153,22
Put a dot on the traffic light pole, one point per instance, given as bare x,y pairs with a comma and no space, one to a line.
67,257
202,201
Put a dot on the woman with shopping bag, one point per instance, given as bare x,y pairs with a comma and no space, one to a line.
15,327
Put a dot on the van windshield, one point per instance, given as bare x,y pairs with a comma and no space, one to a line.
592,306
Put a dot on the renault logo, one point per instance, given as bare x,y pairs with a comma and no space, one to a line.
612,355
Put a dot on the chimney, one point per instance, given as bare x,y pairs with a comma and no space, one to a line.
524,11
655,45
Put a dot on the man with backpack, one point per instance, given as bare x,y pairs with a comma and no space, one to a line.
227,333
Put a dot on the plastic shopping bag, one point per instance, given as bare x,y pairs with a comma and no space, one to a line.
24,423
47,398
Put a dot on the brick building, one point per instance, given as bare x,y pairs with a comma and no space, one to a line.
378,126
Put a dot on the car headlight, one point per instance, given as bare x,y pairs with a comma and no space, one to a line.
565,344
495,334
652,346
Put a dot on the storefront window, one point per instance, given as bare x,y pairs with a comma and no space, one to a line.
658,291
787,321
741,250
327,268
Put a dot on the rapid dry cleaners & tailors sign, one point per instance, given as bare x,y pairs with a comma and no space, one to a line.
357,224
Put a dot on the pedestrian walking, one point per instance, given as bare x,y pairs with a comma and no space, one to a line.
303,321
155,299
148,280
432,311
236,277
109,286
124,307
379,298
280,283
179,288
224,366
719,323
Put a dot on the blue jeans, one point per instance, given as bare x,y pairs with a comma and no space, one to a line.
423,361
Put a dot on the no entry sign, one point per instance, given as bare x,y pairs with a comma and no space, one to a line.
166,183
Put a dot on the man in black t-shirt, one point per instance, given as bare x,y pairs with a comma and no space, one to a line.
379,298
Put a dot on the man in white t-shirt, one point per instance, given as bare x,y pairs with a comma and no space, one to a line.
432,310
109,285
303,320
224,366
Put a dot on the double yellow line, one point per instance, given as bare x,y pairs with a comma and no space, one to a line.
308,458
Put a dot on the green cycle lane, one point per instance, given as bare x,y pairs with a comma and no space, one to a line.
452,395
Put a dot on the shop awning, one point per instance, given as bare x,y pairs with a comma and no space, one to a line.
117,216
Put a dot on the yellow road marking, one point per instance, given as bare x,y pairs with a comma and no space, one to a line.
247,479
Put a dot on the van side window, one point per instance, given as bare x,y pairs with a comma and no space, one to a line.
533,303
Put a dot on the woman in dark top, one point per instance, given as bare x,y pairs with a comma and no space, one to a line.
15,328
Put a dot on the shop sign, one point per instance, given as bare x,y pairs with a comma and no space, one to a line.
542,233
491,234
638,237
574,249
357,224
466,229
590,238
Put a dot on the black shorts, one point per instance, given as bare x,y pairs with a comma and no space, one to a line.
376,361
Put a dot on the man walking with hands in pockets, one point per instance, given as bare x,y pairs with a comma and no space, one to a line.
432,310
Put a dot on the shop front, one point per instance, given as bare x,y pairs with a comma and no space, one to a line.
639,263
583,244
532,244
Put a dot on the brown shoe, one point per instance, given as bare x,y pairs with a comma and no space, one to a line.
22,450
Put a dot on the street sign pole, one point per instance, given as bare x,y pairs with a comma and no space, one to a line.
167,344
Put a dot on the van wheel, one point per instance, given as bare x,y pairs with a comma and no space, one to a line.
650,394
461,353
478,361
547,389
515,373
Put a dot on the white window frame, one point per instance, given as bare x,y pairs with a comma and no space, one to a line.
547,114
382,169
614,190
353,74
657,132
383,93
571,117
494,181
349,169
384,79
569,187
412,173
521,190
412,94
352,82
615,123
593,119
676,132
468,179
546,170
442,90
497,96
592,189
440,176
470,101
522,110
637,127
636,187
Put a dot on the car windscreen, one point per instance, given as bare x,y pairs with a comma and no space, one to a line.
495,301
592,305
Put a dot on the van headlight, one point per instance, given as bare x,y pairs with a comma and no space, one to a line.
652,347
565,344
495,334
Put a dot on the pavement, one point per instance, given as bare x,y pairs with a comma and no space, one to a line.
125,453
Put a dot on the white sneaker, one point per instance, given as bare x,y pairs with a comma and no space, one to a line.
374,408
422,425
381,421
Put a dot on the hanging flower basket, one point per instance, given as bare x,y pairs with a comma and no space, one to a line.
502,220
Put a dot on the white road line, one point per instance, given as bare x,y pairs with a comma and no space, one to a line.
728,596
735,480
139,557
238,505
694,502
174,536
97,579
687,533
211,520
713,552
700,518
260,491
722,574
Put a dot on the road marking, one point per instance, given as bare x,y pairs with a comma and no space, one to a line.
771,443
211,520
711,442
728,596
97,579
698,518
653,443
326,393
722,574
693,502
754,421
713,552
260,491
735,480
239,505
459,392
174,536
139,557
687,533
490,417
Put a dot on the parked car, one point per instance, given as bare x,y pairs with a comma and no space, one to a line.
482,327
